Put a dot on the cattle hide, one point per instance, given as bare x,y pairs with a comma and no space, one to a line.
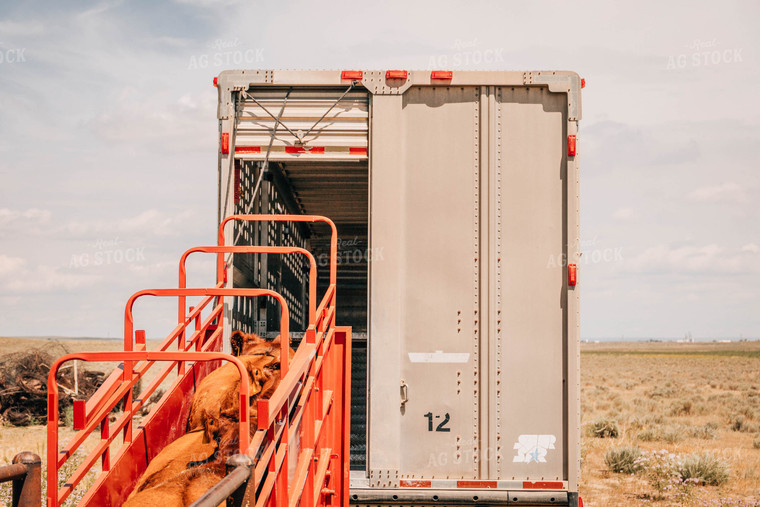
180,491
173,460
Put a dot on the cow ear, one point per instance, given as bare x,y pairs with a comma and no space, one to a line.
258,381
236,342
208,430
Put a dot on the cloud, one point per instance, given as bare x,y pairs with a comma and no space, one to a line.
617,145
705,260
209,3
624,214
17,277
10,265
725,192
161,122
149,223
31,216
30,221
12,28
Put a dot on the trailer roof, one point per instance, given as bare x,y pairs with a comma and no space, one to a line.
397,81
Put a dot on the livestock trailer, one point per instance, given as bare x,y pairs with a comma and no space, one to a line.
456,199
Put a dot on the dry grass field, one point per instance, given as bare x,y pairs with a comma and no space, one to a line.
34,438
698,402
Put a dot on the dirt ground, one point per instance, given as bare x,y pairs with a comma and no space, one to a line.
684,398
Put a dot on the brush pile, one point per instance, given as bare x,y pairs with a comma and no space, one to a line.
23,385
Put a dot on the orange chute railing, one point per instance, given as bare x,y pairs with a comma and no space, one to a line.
312,402
108,433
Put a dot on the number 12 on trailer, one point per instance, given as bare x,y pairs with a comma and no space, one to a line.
441,426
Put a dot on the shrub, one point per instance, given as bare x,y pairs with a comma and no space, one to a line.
648,435
670,434
706,468
663,472
623,460
707,432
681,407
739,423
664,391
604,428
659,469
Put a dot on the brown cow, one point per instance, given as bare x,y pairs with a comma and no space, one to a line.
215,405
193,463
180,491
172,461
218,393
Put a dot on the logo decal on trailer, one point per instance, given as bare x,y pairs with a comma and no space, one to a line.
533,448
439,356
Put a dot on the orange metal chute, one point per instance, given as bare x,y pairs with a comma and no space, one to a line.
313,398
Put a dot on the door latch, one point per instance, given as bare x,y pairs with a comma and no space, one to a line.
404,393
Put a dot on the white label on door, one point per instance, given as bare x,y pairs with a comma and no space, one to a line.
439,357
533,448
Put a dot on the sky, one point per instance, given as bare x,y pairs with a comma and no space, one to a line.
108,143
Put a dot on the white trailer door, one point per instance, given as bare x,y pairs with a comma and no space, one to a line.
424,330
469,319
528,295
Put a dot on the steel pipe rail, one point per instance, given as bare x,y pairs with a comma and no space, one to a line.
283,250
12,472
25,471
230,488
287,218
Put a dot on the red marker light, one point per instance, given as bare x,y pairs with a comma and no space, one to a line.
441,74
395,74
304,149
247,149
572,274
216,82
225,143
351,74
571,145
583,83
